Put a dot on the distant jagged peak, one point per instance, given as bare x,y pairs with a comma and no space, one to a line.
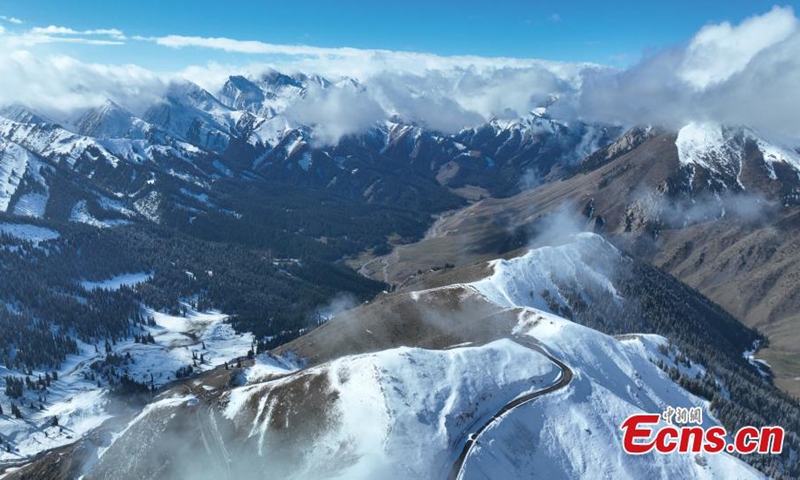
240,93
189,93
721,148
272,80
107,120
20,113
628,141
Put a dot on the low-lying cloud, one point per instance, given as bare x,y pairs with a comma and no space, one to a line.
335,112
737,74
744,74
57,85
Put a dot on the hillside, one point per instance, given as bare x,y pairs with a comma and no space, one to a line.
723,220
459,352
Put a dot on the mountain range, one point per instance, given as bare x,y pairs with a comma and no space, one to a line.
284,293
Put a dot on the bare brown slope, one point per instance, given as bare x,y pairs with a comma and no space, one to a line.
435,319
750,266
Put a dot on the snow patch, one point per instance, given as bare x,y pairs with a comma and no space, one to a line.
80,214
117,282
712,147
31,233
31,205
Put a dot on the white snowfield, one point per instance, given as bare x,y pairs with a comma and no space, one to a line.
115,283
574,432
721,149
28,232
80,214
400,413
519,282
407,412
14,162
81,405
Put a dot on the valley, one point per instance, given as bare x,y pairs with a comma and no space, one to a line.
292,274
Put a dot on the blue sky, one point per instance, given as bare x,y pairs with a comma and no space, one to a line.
607,32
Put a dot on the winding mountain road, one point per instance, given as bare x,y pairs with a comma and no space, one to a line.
563,381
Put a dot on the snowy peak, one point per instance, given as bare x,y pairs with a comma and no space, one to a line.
627,142
240,93
193,95
194,115
722,149
55,143
15,163
712,146
537,279
21,114
275,82
775,152
109,120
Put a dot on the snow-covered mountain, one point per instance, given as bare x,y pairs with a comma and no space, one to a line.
722,152
408,412
243,131
78,398
395,387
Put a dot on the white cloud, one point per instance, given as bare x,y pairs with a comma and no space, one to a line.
58,30
13,20
53,30
742,74
58,34
719,51
335,112
746,74
57,85
359,63
29,40
248,46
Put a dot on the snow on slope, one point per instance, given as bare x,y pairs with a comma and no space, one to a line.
80,214
400,413
574,432
721,149
115,283
775,152
31,233
54,142
711,146
14,162
521,281
406,412
32,205
109,120
613,379
177,338
81,405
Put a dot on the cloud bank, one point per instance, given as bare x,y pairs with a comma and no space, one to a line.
738,74
742,74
